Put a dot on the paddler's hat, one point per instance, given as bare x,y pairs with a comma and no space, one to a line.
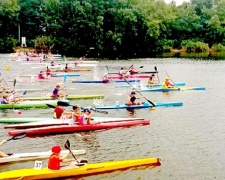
133,92
56,149
167,78
87,110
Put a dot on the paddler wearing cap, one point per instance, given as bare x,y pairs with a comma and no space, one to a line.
5,99
166,84
56,93
85,119
131,100
106,77
55,159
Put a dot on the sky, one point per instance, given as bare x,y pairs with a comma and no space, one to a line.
178,2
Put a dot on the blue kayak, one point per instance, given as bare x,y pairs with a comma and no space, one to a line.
100,81
172,89
63,75
144,105
148,85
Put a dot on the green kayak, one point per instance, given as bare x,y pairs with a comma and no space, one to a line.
69,97
30,104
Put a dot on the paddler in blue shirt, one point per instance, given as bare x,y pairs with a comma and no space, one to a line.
56,93
5,99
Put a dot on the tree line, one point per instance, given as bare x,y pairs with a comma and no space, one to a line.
112,28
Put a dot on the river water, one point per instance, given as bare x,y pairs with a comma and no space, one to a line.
190,139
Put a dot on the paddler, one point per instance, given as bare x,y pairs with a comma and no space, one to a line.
76,114
166,84
2,154
52,63
5,99
66,67
131,100
132,70
106,77
59,111
40,75
85,119
56,93
48,72
122,72
55,159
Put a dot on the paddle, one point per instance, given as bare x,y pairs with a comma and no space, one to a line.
62,103
172,81
67,146
157,73
18,136
140,93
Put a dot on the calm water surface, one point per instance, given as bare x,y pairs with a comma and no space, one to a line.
190,140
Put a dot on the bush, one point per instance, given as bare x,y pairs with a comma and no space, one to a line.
218,48
192,46
7,44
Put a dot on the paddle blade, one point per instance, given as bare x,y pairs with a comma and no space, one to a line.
155,68
14,82
151,102
24,92
141,66
63,103
50,106
67,144
18,136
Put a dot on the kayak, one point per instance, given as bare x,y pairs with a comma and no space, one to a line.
70,70
30,104
144,105
172,89
63,75
54,122
80,169
63,66
148,72
32,79
35,156
74,97
74,128
100,81
148,85
128,77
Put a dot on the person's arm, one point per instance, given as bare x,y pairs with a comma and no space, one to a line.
63,157
89,116
3,142
78,113
67,113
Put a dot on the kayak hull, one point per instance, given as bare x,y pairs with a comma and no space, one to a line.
30,104
69,97
75,128
145,105
148,85
35,156
129,77
84,169
172,89
54,122
67,75
71,70
100,81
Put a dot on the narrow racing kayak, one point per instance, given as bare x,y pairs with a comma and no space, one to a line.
172,89
101,81
35,79
148,85
71,70
129,77
75,128
30,104
63,75
144,105
55,122
80,169
35,156
69,97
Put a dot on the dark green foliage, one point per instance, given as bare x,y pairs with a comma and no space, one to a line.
113,28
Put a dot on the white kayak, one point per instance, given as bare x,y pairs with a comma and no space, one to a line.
63,66
35,156
55,122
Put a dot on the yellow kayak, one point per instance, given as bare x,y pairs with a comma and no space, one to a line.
80,169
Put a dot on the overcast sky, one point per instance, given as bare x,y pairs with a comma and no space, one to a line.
178,2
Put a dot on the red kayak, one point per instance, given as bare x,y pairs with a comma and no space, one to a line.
74,128
128,77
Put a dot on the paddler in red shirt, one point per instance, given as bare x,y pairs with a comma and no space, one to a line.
40,75
59,111
48,72
55,159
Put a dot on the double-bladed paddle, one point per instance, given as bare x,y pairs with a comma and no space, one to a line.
62,103
18,136
67,146
140,93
